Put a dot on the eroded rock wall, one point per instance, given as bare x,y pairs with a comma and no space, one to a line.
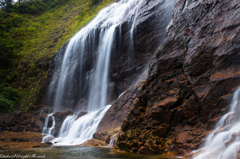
190,82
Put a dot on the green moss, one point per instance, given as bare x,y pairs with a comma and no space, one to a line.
41,37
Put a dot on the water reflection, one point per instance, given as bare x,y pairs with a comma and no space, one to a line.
76,152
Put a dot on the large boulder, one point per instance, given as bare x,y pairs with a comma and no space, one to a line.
190,82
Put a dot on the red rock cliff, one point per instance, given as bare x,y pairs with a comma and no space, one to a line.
190,82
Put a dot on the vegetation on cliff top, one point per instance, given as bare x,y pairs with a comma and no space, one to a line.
30,34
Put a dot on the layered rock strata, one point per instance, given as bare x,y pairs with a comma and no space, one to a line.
190,82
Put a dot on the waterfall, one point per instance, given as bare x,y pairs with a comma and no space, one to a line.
75,132
98,91
67,124
224,141
48,132
82,70
94,43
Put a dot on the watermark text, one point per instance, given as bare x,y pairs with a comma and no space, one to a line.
22,156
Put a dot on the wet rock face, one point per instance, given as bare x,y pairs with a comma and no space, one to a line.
134,51
130,54
59,118
191,80
37,122
114,117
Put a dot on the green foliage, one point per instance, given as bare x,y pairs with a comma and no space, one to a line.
30,34
35,6
95,2
8,97
5,105
10,94
26,110
11,36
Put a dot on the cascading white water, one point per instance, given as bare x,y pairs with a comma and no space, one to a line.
75,132
67,124
224,141
48,132
104,25
85,70
98,92
97,37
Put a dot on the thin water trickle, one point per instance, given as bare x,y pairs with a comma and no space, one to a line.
48,132
224,141
112,142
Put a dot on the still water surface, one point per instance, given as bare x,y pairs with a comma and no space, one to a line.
74,152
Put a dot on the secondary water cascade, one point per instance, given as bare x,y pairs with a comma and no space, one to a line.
48,132
112,142
224,141
98,37
74,132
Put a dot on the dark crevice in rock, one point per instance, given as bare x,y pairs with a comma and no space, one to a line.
231,27
190,81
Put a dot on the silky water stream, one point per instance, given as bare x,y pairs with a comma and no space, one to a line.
75,132
224,141
99,38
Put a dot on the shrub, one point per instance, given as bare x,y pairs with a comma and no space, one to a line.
5,105
8,97
10,94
